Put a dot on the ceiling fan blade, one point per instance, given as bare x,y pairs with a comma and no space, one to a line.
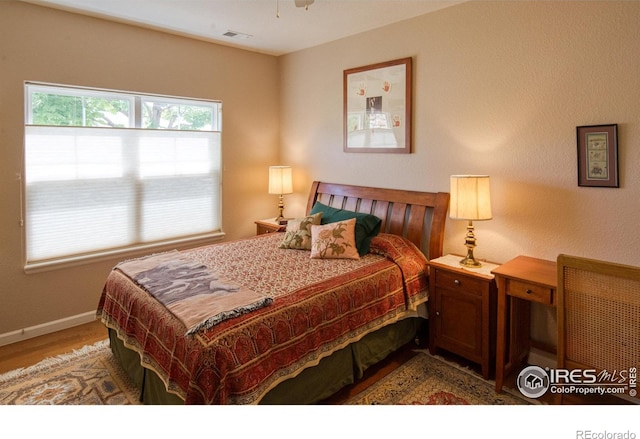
303,3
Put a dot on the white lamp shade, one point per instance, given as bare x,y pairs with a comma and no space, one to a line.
470,197
280,181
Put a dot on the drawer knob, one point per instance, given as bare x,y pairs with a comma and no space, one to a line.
438,313
528,291
457,282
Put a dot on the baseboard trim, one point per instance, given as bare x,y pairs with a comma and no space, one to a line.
46,328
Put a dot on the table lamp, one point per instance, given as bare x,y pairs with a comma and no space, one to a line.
280,183
470,199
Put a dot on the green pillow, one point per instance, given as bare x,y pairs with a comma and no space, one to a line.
367,226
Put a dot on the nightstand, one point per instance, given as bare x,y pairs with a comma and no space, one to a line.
462,310
520,281
269,226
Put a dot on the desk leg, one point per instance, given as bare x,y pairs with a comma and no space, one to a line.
501,331
512,344
519,332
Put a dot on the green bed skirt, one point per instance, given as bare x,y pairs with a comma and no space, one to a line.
311,386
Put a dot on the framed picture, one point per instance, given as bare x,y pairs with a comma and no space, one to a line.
598,155
377,107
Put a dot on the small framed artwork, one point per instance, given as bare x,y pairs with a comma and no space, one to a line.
377,107
598,155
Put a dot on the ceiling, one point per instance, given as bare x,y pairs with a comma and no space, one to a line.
255,21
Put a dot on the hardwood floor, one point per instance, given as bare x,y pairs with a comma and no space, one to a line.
29,352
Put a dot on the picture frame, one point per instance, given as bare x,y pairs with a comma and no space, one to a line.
377,102
598,155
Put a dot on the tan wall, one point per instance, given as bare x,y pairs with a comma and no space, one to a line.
499,89
43,44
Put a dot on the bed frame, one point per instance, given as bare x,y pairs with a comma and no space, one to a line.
418,216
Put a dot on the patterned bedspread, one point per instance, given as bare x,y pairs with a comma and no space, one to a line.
319,306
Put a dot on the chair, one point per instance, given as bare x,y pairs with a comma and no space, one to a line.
598,315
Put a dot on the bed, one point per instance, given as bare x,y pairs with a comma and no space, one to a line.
308,323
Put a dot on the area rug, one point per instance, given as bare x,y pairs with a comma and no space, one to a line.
88,376
91,376
431,380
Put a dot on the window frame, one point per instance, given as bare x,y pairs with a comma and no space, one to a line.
135,121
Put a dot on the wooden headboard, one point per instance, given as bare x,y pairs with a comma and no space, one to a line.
418,216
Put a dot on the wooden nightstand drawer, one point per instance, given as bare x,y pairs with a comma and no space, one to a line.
456,281
533,293
269,226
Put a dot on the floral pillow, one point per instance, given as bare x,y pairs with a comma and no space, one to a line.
334,241
298,233
367,226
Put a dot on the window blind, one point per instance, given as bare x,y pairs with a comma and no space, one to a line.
91,189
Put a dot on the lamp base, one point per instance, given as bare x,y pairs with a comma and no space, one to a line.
470,243
280,218
470,261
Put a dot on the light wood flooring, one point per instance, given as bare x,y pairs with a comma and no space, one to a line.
29,352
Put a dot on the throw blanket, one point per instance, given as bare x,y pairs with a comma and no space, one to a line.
196,295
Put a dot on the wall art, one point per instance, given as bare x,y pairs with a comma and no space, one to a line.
598,155
377,107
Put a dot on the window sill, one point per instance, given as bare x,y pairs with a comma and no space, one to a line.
124,253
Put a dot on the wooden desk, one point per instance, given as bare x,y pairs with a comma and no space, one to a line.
520,281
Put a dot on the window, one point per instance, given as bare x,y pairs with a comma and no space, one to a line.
108,171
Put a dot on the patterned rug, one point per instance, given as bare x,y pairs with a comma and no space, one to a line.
430,380
90,376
